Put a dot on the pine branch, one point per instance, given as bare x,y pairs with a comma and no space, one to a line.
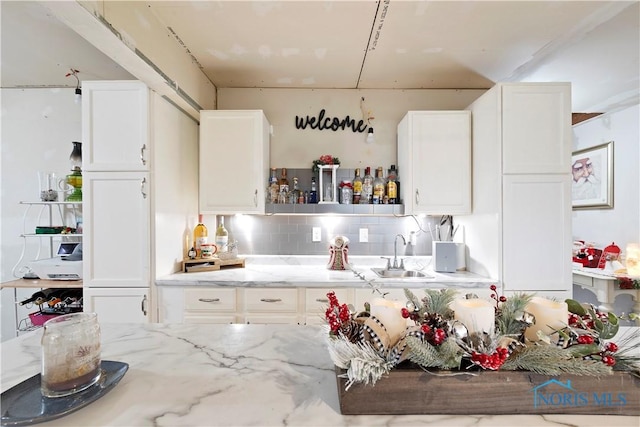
552,360
510,312
362,362
439,301
446,356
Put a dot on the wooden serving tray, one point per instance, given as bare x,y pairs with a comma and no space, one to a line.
210,264
414,391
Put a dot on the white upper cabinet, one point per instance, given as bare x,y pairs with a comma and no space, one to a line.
434,161
116,135
234,161
534,119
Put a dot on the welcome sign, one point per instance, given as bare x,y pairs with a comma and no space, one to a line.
320,122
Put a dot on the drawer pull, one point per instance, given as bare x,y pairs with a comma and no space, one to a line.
209,299
324,300
270,299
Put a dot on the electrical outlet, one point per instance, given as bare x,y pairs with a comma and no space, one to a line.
364,235
316,234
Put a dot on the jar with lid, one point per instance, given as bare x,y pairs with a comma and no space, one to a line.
346,192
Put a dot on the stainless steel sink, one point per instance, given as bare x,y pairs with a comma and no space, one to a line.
399,274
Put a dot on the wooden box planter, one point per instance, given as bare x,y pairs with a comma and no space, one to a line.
414,391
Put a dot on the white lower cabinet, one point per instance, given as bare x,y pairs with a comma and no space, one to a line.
210,305
118,305
305,306
270,305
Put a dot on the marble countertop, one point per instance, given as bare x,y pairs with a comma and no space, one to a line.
311,271
233,375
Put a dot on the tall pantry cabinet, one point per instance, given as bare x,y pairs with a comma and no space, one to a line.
125,124
520,228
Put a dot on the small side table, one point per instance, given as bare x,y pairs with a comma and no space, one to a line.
604,287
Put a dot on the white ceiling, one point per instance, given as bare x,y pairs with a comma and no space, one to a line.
362,44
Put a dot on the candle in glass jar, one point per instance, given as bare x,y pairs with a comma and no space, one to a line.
633,260
550,316
389,313
476,314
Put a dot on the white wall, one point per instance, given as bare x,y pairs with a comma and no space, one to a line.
38,126
297,148
622,223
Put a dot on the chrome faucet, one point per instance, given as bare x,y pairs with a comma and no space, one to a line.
395,252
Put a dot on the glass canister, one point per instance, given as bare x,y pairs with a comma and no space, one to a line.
70,354
346,192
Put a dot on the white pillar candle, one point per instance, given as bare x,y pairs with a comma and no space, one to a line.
476,314
633,259
550,316
389,313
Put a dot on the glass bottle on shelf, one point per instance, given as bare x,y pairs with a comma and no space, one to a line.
367,187
222,236
274,188
293,194
357,187
392,187
378,187
283,184
313,194
200,236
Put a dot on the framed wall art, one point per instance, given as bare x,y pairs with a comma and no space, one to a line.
592,177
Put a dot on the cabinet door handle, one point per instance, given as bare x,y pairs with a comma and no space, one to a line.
417,196
270,299
143,305
142,159
142,187
209,299
255,198
324,300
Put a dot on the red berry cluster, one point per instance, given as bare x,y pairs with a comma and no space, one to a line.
336,314
491,361
494,295
586,322
413,315
434,336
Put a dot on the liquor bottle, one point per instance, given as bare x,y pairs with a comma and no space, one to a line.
39,297
274,188
378,187
313,194
222,236
367,187
283,183
293,194
357,187
200,236
392,186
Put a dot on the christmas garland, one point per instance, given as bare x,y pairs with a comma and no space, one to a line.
327,159
359,342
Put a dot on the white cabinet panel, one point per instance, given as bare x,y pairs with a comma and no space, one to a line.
434,160
535,119
537,230
116,229
115,126
210,299
234,161
118,305
270,300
